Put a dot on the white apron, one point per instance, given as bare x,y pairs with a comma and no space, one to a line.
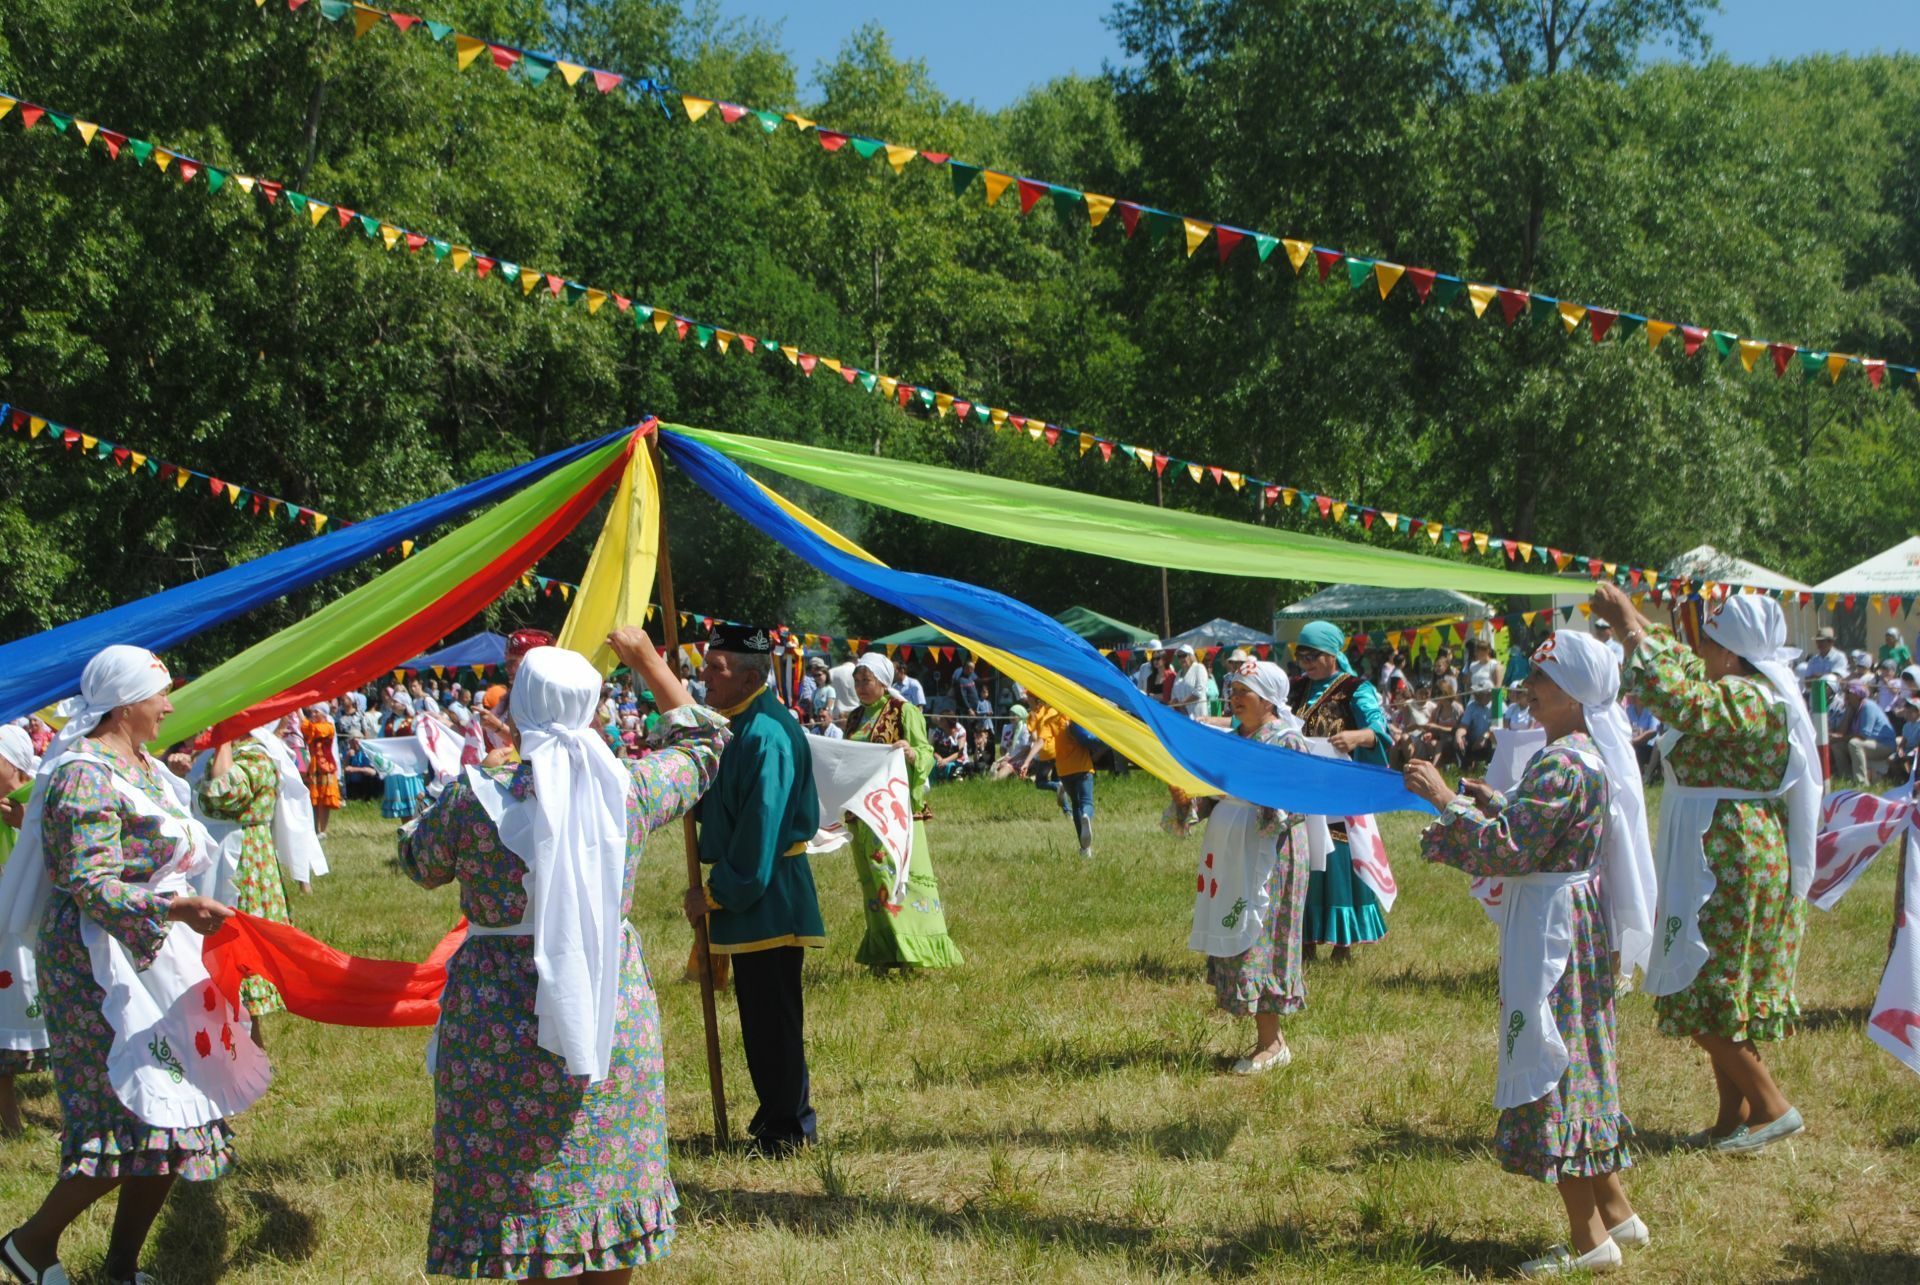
1536,943
1684,879
23,1023
181,1057
1230,906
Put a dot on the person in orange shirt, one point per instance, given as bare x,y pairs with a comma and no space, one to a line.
1055,737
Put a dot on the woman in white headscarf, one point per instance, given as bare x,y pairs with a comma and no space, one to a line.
254,784
23,1026
1250,899
550,1117
1561,849
1735,851
146,1068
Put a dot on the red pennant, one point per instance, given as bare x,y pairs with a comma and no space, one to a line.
1106,452
271,190
749,342
849,374
962,409
1781,354
904,392
256,501
1876,371
217,485
1324,504
415,241
680,327
1367,516
1602,321
1129,218
503,57
1850,600
1693,337
186,169
69,436
906,653
1226,238
1422,279
1465,538
1460,630
936,158
1326,260
30,115
1272,494
554,284
1893,604
1052,435
121,454
114,142
1215,470
1018,421
1512,304
1594,568
1159,464
404,21
623,303
1264,650
604,81
1511,549
345,215
167,471
482,266
807,362
1030,193
731,112
831,141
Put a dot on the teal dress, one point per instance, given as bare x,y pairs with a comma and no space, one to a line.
1341,909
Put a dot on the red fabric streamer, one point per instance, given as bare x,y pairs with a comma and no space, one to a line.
322,984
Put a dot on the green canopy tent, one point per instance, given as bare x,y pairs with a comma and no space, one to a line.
1101,631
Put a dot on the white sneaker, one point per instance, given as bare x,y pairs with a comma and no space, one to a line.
1559,1261
1087,853
1265,1062
1631,1234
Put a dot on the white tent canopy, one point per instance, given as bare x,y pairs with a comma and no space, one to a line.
1706,563
1895,571
1397,606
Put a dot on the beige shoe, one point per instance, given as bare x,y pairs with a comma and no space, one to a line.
1265,1062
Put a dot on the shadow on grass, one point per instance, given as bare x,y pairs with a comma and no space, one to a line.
1145,966
1061,1059
1402,1142
1250,1251
1194,1138
1832,1017
1851,1264
1453,984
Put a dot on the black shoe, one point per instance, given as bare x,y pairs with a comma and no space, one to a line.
777,1148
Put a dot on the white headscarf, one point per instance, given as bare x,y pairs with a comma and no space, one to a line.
1753,628
1270,683
16,747
877,665
1584,668
572,834
119,675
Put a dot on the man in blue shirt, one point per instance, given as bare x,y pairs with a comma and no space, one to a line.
909,689
1870,736
1826,658
1471,740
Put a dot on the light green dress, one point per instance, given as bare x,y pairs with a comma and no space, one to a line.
914,933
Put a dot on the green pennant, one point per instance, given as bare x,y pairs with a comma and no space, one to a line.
1306,502
103,448
508,272
962,175
58,121
704,334
1161,224
1544,312
334,10
575,292
216,179
868,380
769,121
1445,291
440,30
867,147
536,69
1359,271
1813,365
1726,341
1403,524
369,225
1069,204
925,395
153,466
1626,323
1264,244
441,249
142,150
297,200
982,413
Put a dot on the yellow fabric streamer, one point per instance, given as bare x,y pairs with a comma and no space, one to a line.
619,578
1125,733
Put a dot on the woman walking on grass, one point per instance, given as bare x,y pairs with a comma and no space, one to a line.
1570,865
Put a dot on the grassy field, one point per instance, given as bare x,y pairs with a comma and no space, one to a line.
1056,1110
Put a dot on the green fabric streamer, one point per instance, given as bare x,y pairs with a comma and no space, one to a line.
1112,528
349,623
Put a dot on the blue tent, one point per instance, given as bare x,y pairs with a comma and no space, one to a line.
481,649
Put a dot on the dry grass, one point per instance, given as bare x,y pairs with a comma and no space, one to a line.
1055,1110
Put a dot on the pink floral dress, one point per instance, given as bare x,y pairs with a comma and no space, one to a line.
1733,737
248,795
100,853
536,1173
1553,824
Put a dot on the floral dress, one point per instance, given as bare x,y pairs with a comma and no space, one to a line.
99,852
1733,736
248,795
323,763
1268,976
536,1173
914,933
1553,824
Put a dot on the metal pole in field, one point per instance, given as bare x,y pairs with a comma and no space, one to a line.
702,947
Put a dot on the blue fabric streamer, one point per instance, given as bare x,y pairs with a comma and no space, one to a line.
37,671
1264,774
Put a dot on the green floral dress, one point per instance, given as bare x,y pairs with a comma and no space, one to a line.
1734,736
914,933
248,795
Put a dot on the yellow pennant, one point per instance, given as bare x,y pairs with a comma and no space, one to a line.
1339,510
1610,568
832,364
1391,519
594,299
1235,480
800,122
1876,602
1481,296
1571,315
898,156
316,210
389,234
1086,443
1287,496
696,107
364,19
997,416
726,338
162,159
1526,555
571,72
406,548
6,104
942,403
88,443
87,130
1480,541
1297,251
319,522
1386,276
139,461
887,384
1098,208
1193,471
1528,616
1561,561
528,280
1144,455
660,319
246,183
1750,350
1833,600
233,494
466,49
1196,234
1433,532
460,257
996,183
180,480
1836,362
791,353
1656,331
1586,608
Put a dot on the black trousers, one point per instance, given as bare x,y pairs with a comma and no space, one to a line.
766,986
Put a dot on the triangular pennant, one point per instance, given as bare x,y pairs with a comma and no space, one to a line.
996,183
1387,275
1196,233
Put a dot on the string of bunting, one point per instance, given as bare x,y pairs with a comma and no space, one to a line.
1434,288
534,283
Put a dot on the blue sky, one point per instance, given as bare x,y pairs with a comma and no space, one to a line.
991,51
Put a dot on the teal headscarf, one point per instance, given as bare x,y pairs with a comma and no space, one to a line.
1324,635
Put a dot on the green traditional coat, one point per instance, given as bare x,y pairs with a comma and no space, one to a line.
754,826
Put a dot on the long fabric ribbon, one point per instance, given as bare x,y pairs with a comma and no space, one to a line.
619,576
368,632
1261,774
1108,527
35,672
322,984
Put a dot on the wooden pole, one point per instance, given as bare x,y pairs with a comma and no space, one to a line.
702,946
